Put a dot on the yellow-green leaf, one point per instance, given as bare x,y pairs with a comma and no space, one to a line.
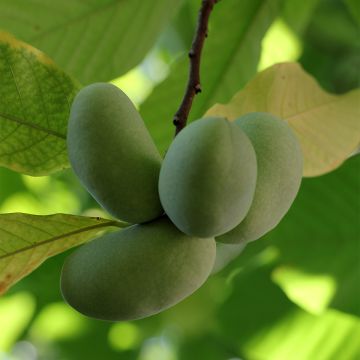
28,240
35,99
327,125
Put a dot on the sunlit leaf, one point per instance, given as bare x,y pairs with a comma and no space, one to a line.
28,240
272,53
35,98
313,292
328,126
229,60
58,321
94,40
253,318
259,322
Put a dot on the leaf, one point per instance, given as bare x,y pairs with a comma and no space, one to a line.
298,13
319,243
28,240
230,58
331,53
354,9
35,98
262,323
243,314
327,125
186,15
94,40
343,32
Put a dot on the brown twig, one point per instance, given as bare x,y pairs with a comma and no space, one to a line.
193,85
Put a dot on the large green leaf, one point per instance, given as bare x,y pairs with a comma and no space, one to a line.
327,125
333,27
319,243
331,46
354,9
298,13
230,58
35,98
259,322
94,40
28,240
241,313
187,14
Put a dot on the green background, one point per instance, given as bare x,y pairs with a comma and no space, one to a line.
293,294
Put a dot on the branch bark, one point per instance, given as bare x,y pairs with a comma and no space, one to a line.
194,86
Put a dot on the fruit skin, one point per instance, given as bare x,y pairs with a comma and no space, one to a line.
112,153
136,272
280,168
208,177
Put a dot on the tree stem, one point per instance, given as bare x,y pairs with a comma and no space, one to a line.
193,86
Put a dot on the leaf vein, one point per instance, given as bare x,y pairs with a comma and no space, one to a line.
32,125
59,237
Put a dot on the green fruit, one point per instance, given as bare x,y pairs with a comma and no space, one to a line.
208,177
136,272
280,168
112,153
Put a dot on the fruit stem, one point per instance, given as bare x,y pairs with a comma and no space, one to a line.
193,86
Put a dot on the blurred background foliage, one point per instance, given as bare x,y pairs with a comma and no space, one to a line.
293,294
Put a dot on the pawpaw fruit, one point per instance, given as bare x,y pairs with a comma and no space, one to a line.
280,168
136,272
208,177
112,153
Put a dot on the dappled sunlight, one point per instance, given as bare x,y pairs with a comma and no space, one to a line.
57,321
16,312
96,212
124,336
22,202
159,348
313,292
280,44
139,82
300,331
46,195
135,84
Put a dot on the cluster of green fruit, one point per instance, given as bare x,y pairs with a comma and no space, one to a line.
229,180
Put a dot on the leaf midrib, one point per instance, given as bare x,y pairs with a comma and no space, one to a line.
334,100
62,236
33,126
